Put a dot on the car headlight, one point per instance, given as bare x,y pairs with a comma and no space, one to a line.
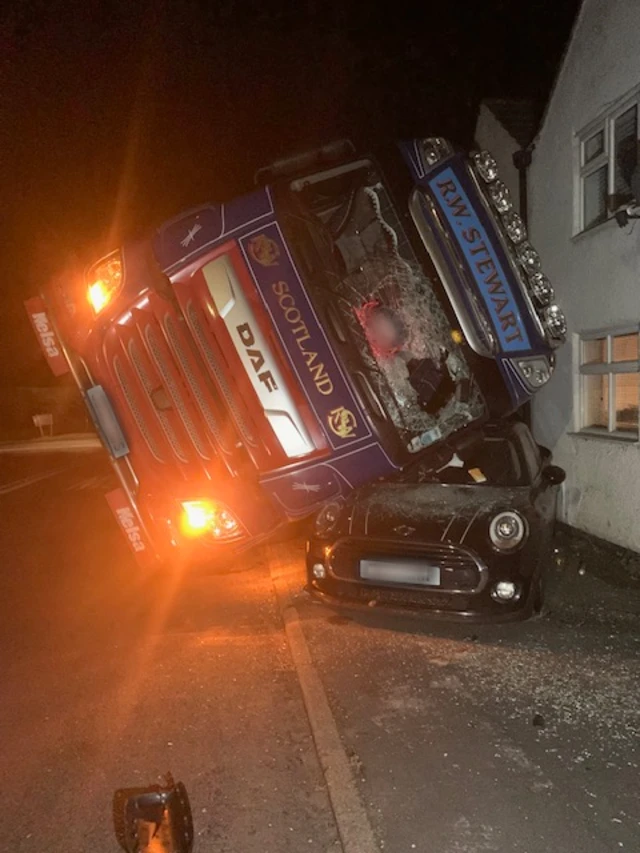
327,518
500,196
535,371
514,226
105,281
207,517
507,530
556,322
486,165
541,288
434,149
529,258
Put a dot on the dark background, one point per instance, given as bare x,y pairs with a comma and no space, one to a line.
116,115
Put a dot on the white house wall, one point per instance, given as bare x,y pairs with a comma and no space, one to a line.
493,135
596,274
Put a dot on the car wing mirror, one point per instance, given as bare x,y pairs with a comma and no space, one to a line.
156,819
554,474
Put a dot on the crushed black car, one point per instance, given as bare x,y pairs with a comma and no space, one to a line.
465,533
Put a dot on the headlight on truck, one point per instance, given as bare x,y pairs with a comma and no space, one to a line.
500,196
486,165
507,530
514,226
206,517
535,371
529,258
556,322
541,288
105,281
435,149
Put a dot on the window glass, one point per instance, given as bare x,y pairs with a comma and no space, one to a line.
625,132
625,347
595,405
595,197
489,461
369,272
626,390
594,146
594,352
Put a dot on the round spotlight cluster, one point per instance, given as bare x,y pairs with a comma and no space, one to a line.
529,258
556,322
486,165
541,288
514,226
500,196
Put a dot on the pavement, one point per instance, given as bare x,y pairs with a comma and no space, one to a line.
296,726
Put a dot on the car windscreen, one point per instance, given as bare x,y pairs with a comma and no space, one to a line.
491,461
389,302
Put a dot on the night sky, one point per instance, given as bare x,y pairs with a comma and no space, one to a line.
115,115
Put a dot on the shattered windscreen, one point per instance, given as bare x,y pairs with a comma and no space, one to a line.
412,359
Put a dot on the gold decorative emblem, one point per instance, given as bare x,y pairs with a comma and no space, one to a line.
264,250
342,422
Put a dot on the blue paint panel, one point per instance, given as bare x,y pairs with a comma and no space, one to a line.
519,393
241,212
411,156
302,491
182,239
299,492
177,241
482,260
302,336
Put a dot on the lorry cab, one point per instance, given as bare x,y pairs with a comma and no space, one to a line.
248,362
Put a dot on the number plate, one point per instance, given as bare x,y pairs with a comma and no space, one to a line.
390,570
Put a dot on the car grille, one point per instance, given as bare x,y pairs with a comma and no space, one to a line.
397,597
215,368
460,569
167,390
130,396
150,385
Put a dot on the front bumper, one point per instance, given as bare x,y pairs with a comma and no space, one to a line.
383,599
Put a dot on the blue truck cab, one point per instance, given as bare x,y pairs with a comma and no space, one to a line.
248,363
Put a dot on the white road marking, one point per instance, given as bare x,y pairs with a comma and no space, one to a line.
69,444
96,483
27,481
352,821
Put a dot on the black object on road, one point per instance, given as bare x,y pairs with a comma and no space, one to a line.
156,819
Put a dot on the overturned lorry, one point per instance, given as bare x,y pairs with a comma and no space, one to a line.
248,362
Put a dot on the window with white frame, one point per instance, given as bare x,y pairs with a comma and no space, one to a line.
609,383
607,159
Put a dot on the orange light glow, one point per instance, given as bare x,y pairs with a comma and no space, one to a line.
106,278
200,517
98,295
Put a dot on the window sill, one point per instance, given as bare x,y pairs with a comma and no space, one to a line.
612,437
593,229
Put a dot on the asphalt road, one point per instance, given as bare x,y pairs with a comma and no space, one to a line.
414,735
